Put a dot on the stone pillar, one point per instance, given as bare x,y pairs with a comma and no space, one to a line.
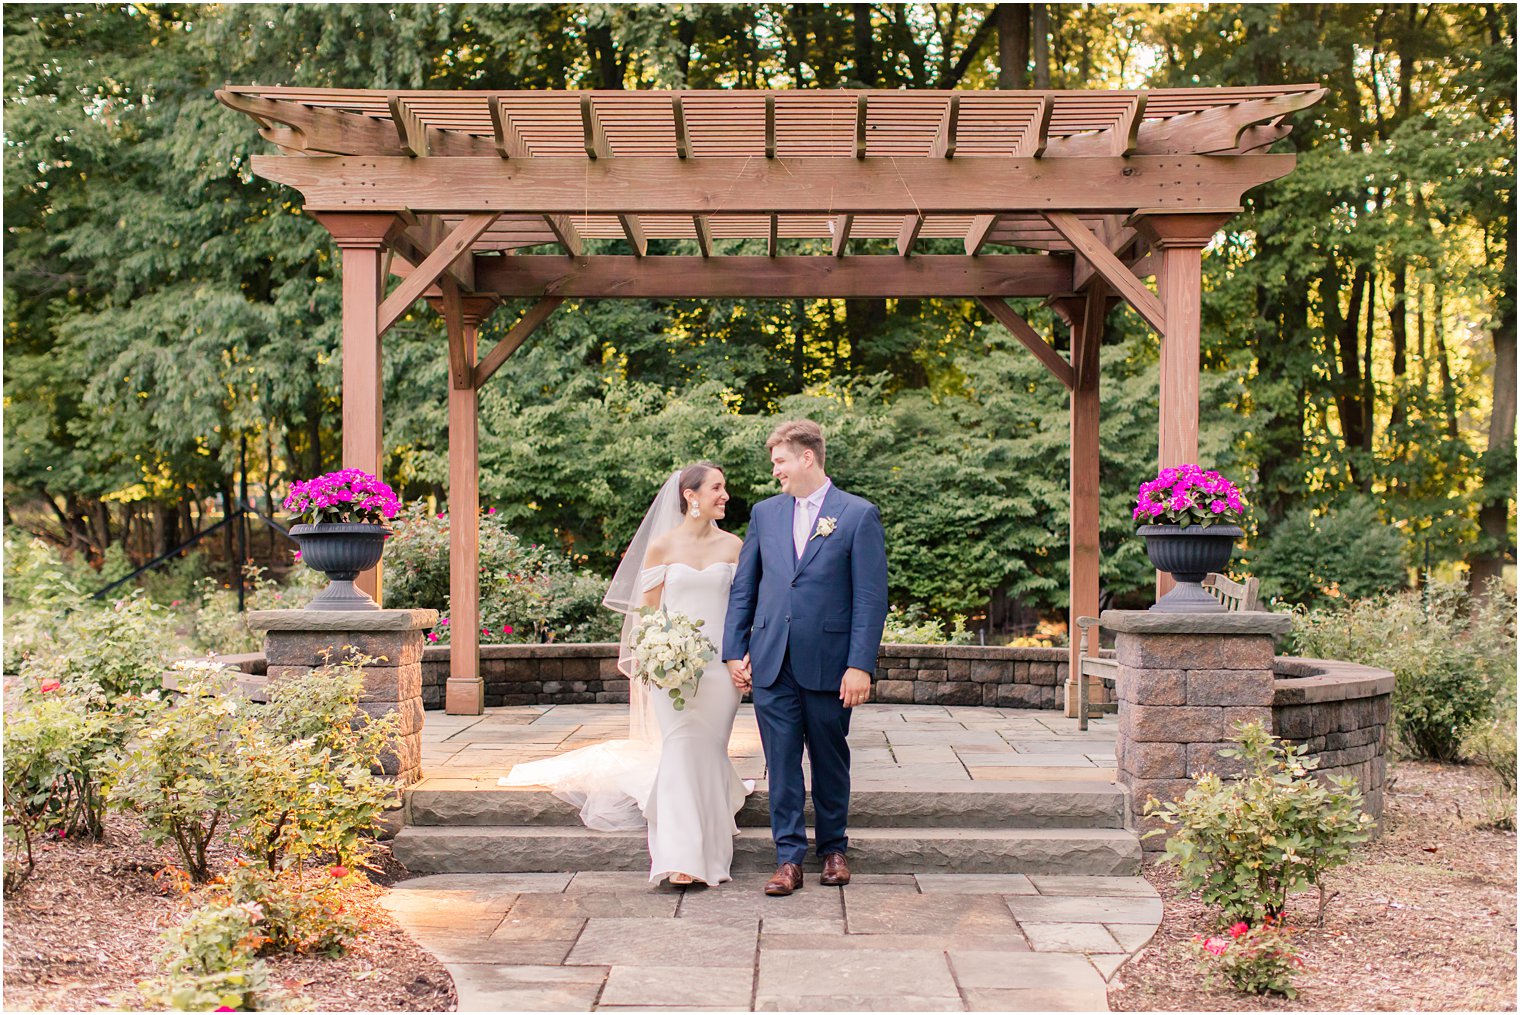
295,641
1185,680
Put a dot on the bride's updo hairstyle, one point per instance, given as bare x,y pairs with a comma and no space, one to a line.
692,478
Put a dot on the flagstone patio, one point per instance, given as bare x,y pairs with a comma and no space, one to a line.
901,744
610,941
911,940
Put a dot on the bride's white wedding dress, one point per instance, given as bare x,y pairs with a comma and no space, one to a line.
685,788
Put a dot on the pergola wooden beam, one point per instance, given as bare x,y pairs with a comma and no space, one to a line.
841,229
510,144
1119,239
410,130
565,232
599,148
981,228
1112,270
299,127
1021,329
944,138
1225,129
453,247
798,276
654,185
911,227
422,235
514,338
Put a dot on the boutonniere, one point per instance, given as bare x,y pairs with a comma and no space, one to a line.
825,527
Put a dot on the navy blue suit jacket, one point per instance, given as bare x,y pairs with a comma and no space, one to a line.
828,608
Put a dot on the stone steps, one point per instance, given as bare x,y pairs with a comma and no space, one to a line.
968,850
1072,804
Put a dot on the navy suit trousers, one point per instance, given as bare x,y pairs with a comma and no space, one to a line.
792,717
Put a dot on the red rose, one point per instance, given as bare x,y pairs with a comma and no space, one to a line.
1239,929
338,871
50,685
506,629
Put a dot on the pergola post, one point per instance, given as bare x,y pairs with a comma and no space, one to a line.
1085,317
1179,240
361,238
464,691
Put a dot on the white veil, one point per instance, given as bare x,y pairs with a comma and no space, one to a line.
610,781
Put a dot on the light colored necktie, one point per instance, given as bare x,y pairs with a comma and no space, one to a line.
800,526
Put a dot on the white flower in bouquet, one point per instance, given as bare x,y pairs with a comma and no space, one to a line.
670,653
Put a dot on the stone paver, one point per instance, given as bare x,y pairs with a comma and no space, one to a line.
611,941
908,744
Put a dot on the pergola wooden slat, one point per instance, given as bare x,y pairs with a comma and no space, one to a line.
1074,197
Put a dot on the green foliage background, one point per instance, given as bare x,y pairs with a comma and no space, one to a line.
167,313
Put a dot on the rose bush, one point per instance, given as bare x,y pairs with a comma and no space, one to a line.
1256,959
1247,844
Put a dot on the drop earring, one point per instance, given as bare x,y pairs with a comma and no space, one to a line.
696,512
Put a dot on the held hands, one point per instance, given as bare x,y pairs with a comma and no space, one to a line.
739,672
855,688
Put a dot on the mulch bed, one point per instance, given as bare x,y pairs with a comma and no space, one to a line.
1423,918
84,931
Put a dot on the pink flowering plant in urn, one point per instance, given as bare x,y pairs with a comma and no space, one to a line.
1190,519
1188,495
349,495
345,533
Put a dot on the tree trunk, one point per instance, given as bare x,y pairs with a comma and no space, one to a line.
1398,326
866,73
604,58
1013,45
1348,393
1039,24
799,345
1498,462
1443,365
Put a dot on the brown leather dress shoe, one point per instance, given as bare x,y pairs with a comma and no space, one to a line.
787,880
836,870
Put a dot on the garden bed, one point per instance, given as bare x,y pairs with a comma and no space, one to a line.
1423,918
85,929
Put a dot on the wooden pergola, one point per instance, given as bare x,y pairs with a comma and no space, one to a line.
475,197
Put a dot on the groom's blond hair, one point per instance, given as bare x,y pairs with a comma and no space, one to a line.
801,434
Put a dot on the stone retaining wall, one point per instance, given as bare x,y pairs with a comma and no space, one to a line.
1341,712
906,674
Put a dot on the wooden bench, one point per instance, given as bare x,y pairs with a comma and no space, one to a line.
1234,596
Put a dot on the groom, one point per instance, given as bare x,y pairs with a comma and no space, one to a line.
805,616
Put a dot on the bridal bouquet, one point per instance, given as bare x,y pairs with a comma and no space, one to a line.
671,653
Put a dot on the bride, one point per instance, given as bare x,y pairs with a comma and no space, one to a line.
673,773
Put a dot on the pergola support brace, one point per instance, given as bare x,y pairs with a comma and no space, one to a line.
1021,329
454,247
514,338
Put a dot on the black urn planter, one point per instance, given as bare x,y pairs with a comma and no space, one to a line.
341,550
1189,555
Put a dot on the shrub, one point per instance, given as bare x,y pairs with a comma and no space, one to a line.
912,627
58,750
178,774
1348,553
1452,656
300,915
304,781
208,962
528,592
1247,844
56,757
1493,744
1256,959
